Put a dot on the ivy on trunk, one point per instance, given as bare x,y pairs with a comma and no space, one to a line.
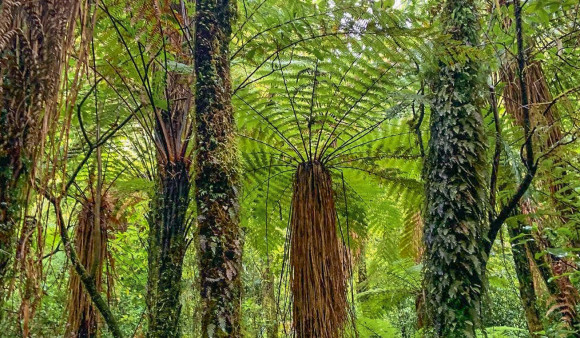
455,180
217,182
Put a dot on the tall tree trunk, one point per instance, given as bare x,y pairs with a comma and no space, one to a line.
34,37
525,278
217,179
455,182
169,208
318,277
30,267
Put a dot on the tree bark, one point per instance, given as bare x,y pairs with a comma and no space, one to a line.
91,248
168,222
455,182
167,246
217,177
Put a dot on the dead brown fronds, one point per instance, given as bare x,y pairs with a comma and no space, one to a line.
29,266
544,117
91,246
318,275
34,36
543,113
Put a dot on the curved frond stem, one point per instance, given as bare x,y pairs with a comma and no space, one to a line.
345,152
352,309
293,108
328,141
379,157
312,108
270,154
357,136
270,146
253,189
285,270
269,167
290,45
239,29
287,22
276,130
370,172
332,101
267,198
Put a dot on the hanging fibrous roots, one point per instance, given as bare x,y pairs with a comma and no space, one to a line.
318,278
91,246
543,114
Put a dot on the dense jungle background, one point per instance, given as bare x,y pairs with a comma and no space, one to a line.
295,168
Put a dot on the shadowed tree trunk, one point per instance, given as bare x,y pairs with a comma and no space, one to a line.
563,292
167,245
318,277
30,267
217,183
525,278
455,181
33,36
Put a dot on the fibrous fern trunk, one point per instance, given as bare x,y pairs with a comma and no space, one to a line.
455,181
167,246
220,246
318,277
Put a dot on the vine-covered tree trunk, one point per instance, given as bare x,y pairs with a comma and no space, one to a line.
455,181
318,273
33,37
30,273
525,278
217,183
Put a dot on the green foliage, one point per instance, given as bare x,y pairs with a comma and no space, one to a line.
340,82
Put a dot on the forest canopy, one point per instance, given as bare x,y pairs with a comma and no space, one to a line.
298,168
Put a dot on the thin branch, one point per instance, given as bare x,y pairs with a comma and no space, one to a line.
88,280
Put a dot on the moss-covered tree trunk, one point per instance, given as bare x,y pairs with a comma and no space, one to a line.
269,303
455,180
525,277
217,183
167,245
